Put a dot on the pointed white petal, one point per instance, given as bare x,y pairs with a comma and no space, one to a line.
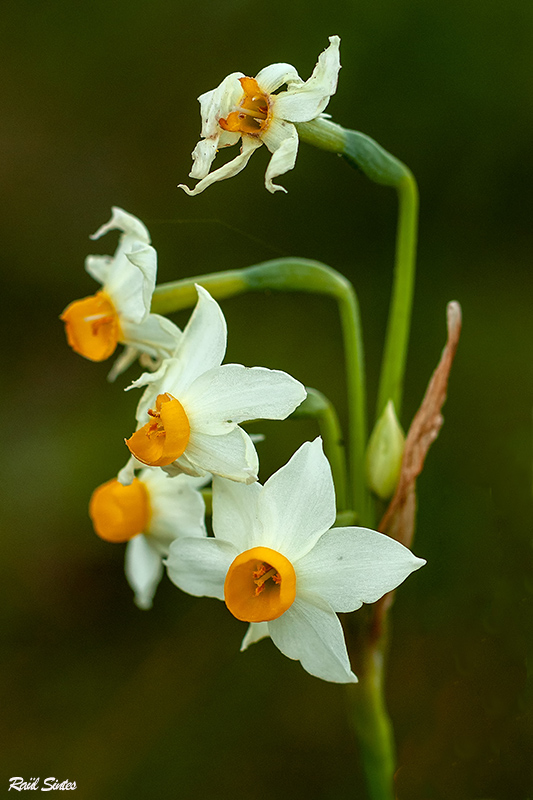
203,343
127,473
249,144
121,364
203,156
281,138
297,504
144,570
351,566
235,513
156,335
182,466
99,267
310,632
124,222
256,631
307,101
176,505
131,280
218,103
272,77
232,455
222,397
199,566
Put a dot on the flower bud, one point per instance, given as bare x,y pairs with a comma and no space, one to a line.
384,454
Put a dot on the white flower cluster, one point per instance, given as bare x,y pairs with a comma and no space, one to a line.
274,558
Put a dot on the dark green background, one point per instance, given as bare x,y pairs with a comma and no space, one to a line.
99,108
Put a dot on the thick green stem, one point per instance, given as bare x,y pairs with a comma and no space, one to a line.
298,275
373,727
368,711
383,168
399,324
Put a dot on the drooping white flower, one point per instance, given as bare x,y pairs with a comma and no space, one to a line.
188,417
247,109
148,514
120,311
276,563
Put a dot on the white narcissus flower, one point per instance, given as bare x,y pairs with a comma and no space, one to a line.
247,108
120,312
148,514
276,563
188,417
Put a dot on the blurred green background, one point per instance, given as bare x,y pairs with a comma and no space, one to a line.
99,108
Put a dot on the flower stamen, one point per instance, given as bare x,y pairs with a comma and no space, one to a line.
252,113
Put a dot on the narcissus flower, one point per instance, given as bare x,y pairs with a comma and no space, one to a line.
277,565
247,109
189,415
148,514
120,311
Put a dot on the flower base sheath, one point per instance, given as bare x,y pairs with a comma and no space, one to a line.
164,439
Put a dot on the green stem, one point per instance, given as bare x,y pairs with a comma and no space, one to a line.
383,168
317,406
373,727
298,275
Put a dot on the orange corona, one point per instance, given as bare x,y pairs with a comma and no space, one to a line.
253,114
260,585
120,512
92,326
164,439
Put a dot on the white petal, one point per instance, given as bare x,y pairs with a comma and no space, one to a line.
297,504
99,267
144,570
121,364
176,505
307,101
131,280
256,631
249,144
217,103
235,513
124,222
351,566
199,566
127,473
156,335
272,77
281,138
182,466
203,343
232,455
203,156
311,633
222,397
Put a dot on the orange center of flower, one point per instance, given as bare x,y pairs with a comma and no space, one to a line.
92,326
120,512
260,585
253,112
162,440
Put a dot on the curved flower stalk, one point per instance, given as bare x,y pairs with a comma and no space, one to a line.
148,514
247,109
188,417
120,311
276,563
